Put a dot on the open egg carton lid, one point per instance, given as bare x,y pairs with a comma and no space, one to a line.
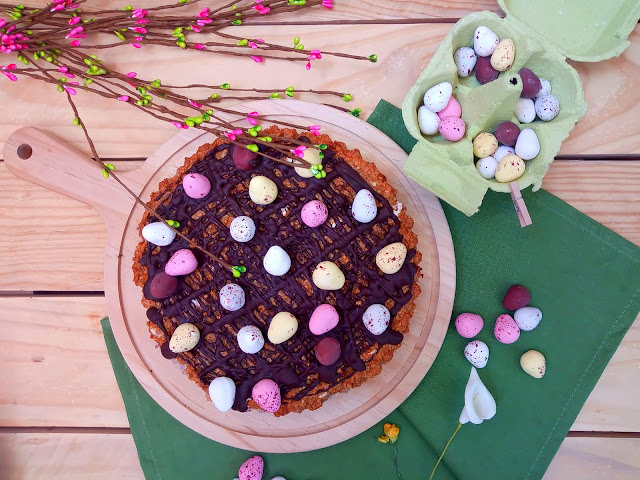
544,37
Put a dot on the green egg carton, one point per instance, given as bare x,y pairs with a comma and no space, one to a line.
545,33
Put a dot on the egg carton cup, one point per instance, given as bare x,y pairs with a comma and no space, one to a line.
448,168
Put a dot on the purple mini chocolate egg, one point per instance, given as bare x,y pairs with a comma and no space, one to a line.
162,285
530,83
328,351
245,159
485,73
507,133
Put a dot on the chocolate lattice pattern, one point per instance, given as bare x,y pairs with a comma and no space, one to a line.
341,239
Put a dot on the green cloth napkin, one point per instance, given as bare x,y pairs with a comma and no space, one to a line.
584,278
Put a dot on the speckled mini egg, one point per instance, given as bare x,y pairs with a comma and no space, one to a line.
437,97
364,208
506,329
453,109
283,326
328,276
314,213
545,87
484,144
428,121
452,128
469,325
312,156
276,261
328,351
485,41
376,318
262,190
196,185
504,55
503,151
158,233
525,110
510,168
266,393
465,60
477,352
323,319
251,469
222,391
182,262
391,258
527,145
185,337
250,339
242,229
527,318
534,363
547,107
487,167
232,297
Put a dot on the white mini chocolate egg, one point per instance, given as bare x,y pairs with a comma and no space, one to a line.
527,318
465,59
487,167
278,478
262,190
312,156
527,145
185,337
485,41
232,297
242,229
391,258
545,87
158,233
250,339
376,318
428,121
502,152
534,363
328,276
364,208
477,352
222,391
283,326
437,97
547,107
525,110
276,262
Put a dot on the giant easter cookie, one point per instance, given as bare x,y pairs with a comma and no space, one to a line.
306,371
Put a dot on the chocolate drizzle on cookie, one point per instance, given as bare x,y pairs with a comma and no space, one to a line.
341,239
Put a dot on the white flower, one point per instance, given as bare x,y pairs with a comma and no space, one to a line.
479,404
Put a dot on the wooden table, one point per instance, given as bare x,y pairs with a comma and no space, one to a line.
61,414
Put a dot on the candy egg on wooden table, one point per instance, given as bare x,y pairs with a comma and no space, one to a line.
506,329
184,338
328,276
250,339
376,318
242,229
469,325
485,41
452,128
547,107
504,55
364,208
437,97
314,213
328,351
282,327
158,233
323,319
252,469
232,297
266,393
465,59
428,121
391,257
196,185
222,391
510,168
182,262
477,352
487,167
262,190
276,261
534,363
527,318
527,146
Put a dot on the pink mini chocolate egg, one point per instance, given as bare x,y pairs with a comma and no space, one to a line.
196,185
266,394
506,329
452,128
469,325
314,213
182,262
324,318
251,469
328,351
453,109
232,297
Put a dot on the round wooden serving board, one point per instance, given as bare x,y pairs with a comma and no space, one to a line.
58,167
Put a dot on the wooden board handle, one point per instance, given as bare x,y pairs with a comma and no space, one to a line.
45,160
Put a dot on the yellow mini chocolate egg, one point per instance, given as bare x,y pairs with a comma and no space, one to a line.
510,168
327,276
262,190
184,338
312,156
504,55
283,326
391,258
484,145
533,363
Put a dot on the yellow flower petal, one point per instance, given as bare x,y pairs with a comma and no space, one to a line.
383,439
392,431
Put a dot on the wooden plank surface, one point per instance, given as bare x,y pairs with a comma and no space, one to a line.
41,334
404,50
54,243
81,456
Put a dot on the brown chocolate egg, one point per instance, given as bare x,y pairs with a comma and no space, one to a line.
163,285
516,297
328,351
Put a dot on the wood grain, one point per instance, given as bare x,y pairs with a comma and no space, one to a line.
611,88
79,456
73,256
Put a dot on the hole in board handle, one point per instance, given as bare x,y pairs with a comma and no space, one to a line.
25,151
